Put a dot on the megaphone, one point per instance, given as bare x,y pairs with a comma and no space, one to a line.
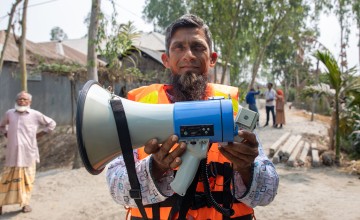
198,123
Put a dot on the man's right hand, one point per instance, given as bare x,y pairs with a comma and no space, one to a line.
163,159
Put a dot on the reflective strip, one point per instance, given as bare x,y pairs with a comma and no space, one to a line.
235,102
151,98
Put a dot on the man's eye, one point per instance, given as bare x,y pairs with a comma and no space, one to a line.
199,48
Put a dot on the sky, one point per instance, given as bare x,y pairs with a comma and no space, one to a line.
69,15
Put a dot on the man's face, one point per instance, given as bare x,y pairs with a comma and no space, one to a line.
189,52
23,100
189,60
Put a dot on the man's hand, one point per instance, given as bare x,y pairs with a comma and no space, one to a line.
40,134
242,154
163,159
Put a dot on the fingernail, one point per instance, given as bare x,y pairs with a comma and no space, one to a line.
154,141
174,138
177,160
182,145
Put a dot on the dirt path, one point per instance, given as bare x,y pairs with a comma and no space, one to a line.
304,193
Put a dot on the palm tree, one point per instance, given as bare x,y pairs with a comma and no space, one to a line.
342,85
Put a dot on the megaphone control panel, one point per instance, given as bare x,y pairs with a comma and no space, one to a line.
196,131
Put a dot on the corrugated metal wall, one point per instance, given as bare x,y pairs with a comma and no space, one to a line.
51,94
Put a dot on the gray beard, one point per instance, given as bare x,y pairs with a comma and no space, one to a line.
21,108
188,86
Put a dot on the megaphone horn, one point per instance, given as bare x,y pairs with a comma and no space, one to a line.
96,128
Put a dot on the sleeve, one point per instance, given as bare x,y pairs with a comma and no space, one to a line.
264,184
49,123
3,123
151,191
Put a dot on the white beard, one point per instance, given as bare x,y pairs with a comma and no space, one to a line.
21,108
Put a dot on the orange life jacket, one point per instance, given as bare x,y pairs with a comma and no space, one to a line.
156,94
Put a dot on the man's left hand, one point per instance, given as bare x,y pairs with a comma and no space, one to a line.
242,154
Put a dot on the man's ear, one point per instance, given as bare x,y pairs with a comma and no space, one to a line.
165,60
213,58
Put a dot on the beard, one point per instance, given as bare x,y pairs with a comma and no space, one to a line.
188,86
20,108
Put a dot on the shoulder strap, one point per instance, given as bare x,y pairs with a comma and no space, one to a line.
127,151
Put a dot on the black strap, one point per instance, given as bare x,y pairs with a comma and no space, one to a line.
127,152
189,196
175,205
227,197
156,211
244,217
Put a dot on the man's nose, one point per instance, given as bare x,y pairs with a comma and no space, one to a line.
189,55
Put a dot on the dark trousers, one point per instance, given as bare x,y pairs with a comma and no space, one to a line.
268,110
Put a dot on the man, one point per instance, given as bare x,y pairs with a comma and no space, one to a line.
240,175
269,98
250,99
20,126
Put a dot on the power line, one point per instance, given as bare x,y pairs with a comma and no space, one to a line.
30,6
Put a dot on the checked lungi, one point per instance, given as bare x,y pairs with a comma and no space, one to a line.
16,185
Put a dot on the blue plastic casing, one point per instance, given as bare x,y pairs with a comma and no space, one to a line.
210,119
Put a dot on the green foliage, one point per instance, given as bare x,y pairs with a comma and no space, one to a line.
242,30
60,68
346,99
57,34
162,12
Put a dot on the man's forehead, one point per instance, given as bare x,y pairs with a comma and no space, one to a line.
24,95
182,34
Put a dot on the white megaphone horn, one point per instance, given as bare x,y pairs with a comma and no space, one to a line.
198,123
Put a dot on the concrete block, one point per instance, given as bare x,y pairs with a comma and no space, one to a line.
295,154
315,155
275,146
304,153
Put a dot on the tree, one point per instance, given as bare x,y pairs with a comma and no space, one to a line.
57,34
242,29
118,46
342,85
92,40
162,12
11,16
22,48
356,11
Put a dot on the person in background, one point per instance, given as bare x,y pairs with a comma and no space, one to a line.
250,99
20,125
246,177
270,98
280,110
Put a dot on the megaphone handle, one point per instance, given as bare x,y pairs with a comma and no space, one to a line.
189,165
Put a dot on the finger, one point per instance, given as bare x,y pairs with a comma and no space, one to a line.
175,163
168,144
175,154
151,146
240,148
239,160
249,138
179,150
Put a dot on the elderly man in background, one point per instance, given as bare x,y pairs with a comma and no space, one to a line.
20,125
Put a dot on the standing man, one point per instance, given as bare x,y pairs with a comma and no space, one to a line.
241,176
20,125
250,99
270,100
